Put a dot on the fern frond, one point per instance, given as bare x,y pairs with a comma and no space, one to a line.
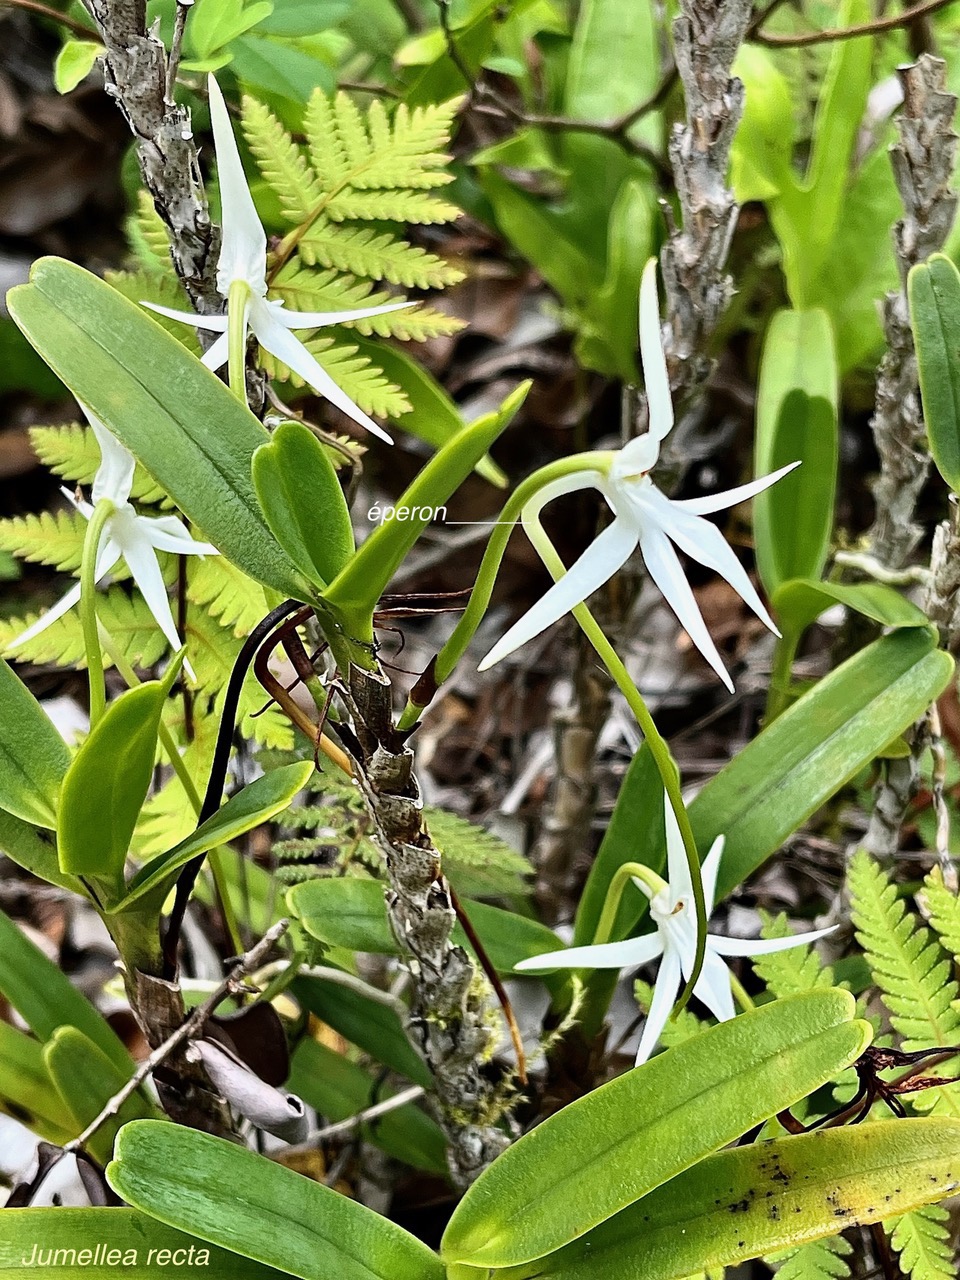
922,1239
790,972
236,601
818,1260
126,617
52,537
389,206
910,968
362,381
416,325
213,651
479,862
73,453
304,290
374,255
944,909
148,237
677,1030
281,161
165,290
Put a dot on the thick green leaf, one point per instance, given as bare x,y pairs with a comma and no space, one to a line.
751,1201
74,63
760,158
817,745
33,756
26,1090
45,998
796,420
258,802
107,783
800,601
433,417
181,422
360,585
75,1244
34,849
613,1146
244,1202
934,290
372,1025
86,1080
339,1089
302,502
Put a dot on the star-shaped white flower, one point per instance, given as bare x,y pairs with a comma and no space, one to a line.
243,262
675,939
644,518
135,539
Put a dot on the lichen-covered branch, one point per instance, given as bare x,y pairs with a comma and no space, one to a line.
450,1020
707,35
923,162
136,76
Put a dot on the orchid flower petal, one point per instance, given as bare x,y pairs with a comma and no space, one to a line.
319,319
709,870
664,993
713,986
765,946
601,560
629,954
63,605
678,872
276,338
167,533
217,354
216,324
665,570
243,255
704,542
655,377
145,570
114,478
733,497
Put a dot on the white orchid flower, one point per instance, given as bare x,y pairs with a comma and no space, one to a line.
675,940
644,518
242,280
127,536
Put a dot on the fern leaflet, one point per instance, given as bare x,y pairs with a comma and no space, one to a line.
790,972
944,909
127,618
922,1239
73,453
818,1260
53,537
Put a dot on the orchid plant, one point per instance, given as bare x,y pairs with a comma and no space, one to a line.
674,939
242,282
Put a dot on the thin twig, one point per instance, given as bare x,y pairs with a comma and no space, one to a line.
353,1122
34,6
192,1024
876,27
176,45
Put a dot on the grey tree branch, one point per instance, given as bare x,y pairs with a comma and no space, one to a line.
922,165
450,1019
136,75
707,35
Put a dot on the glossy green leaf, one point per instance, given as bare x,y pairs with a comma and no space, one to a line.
26,1090
34,849
796,420
433,417
257,802
360,585
800,601
86,1080
606,1150
181,422
242,1201
760,157
339,1089
46,999
75,1244
74,63
375,1026
751,1201
934,291
302,502
816,746
107,783
33,756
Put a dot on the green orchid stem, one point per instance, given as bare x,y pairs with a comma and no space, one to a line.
479,601
658,748
626,872
740,993
237,299
179,766
778,696
88,607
